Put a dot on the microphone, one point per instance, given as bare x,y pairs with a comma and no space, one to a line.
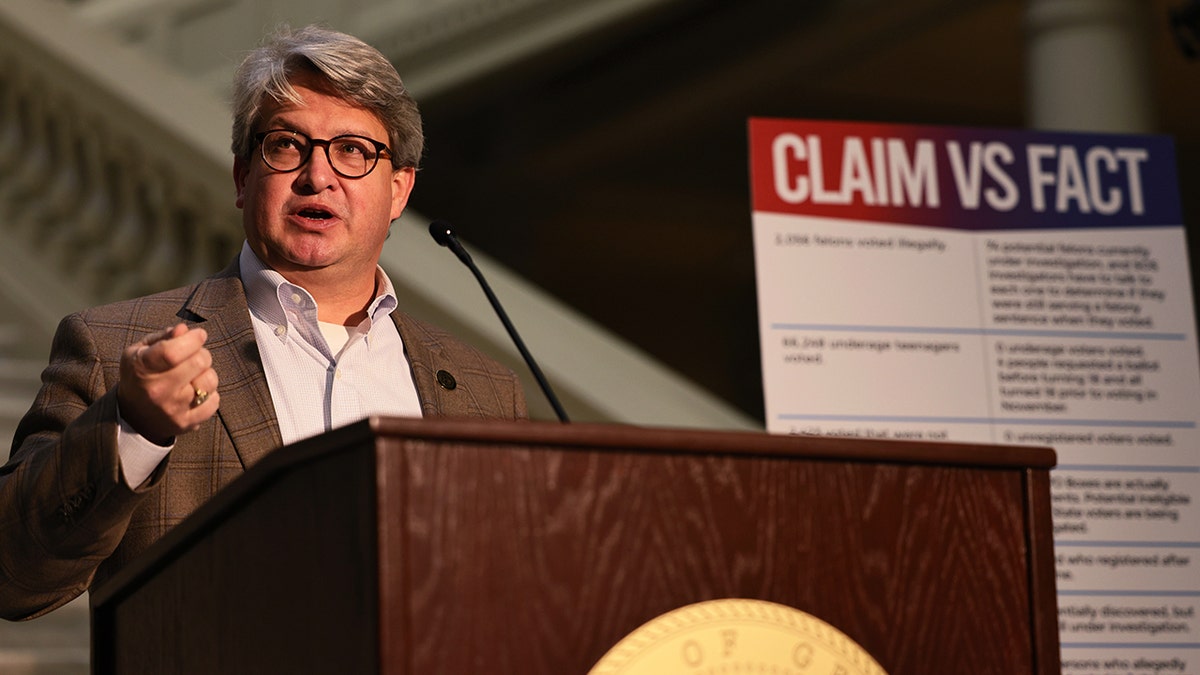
443,234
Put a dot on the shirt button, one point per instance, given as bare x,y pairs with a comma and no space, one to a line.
280,330
296,298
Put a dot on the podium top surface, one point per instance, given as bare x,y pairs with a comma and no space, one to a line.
637,438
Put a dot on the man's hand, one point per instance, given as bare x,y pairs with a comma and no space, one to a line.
164,379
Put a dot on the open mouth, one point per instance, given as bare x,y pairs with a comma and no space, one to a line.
315,214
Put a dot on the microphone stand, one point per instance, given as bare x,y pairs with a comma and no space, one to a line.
444,235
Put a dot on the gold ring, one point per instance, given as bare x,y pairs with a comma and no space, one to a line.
201,397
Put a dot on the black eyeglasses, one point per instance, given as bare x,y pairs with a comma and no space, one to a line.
350,156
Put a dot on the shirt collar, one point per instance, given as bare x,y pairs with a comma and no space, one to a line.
265,287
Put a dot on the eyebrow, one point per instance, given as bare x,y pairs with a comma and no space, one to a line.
280,121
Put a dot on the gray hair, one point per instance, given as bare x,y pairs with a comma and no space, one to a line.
352,70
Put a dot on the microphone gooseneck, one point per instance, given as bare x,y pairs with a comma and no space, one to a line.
443,234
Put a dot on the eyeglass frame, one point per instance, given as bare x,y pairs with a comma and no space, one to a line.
381,151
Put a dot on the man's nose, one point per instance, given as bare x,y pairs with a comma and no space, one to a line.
317,173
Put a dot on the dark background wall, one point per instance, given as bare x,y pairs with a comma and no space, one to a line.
613,172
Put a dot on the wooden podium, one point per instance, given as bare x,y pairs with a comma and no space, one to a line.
433,546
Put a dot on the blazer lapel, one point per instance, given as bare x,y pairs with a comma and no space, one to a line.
247,413
423,356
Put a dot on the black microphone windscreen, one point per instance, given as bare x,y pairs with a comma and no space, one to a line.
441,232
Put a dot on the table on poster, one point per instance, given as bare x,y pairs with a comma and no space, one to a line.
1002,286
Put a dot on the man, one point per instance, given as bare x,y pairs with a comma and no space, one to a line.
150,406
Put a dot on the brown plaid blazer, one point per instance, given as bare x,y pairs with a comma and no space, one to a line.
67,518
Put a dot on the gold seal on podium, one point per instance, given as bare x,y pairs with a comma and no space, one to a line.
736,636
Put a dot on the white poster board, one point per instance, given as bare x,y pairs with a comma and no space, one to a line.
1001,286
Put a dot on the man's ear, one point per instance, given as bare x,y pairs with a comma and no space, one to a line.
239,180
402,185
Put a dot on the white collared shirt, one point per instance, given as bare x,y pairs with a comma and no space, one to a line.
315,386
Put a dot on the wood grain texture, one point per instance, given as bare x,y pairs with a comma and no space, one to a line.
537,560
276,574
406,547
